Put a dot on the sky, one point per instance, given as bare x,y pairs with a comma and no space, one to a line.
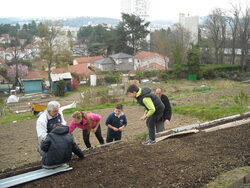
159,9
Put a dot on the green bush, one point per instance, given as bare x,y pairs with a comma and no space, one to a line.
212,71
112,79
242,99
60,88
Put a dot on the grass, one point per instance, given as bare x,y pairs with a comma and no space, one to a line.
228,178
10,117
209,112
140,136
102,106
174,89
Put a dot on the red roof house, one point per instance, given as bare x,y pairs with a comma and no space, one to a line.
80,60
150,61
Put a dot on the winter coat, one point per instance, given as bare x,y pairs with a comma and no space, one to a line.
58,147
146,92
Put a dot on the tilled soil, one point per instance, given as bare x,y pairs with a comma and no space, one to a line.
187,161
19,141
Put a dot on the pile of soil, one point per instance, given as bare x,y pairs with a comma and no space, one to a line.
187,161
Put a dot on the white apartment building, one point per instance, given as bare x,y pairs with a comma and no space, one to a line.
190,23
137,7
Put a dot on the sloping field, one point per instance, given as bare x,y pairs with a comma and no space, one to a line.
185,161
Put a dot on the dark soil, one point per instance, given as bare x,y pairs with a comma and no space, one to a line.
19,141
188,161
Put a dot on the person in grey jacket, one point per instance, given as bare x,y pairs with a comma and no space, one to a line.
47,121
58,147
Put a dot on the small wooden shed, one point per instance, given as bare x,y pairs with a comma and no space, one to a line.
32,85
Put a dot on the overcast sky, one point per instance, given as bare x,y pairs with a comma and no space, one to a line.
159,9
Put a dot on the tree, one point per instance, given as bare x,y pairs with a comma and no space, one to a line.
121,40
193,60
233,22
181,44
22,71
216,27
161,43
96,40
178,67
134,30
54,48
244,35
16,45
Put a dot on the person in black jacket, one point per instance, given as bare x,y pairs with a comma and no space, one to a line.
153,105
58,147
167,114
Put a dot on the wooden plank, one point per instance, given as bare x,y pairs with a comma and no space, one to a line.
228,125
176,134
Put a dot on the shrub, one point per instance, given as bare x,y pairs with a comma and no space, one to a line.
60,88
112,79
242,99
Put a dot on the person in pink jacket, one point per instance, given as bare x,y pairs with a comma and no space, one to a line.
88,122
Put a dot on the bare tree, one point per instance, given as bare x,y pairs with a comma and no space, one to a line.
48,45
182,38
216,29
161,43
233,22
244,35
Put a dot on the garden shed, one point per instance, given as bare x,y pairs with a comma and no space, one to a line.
63,76
32,85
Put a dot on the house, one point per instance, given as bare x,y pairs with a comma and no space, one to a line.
81,70
5,39
32,85
104,64
89,60
150,61
119,61
123,61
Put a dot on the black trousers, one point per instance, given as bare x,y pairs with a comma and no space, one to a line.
98,135
113,135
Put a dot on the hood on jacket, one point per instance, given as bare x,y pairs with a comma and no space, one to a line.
145,90
60,130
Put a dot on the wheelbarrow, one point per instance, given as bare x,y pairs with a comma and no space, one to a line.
37,108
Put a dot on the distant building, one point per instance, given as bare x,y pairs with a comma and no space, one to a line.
119,61
150,61
137,7
190,23
89,60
